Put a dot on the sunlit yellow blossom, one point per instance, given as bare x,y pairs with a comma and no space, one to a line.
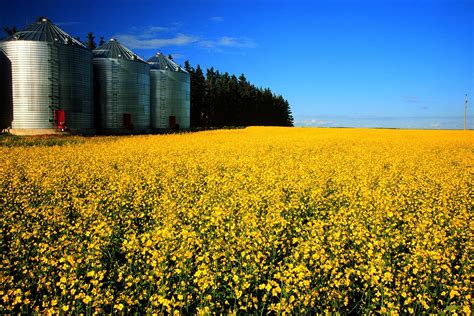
283,221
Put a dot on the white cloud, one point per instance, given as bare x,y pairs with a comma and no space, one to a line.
218,19
151,31
134,41
314,122
237,42
226,41
150,38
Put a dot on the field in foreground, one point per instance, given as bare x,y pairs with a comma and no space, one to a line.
253,220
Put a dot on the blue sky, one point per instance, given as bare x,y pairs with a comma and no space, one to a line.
393,63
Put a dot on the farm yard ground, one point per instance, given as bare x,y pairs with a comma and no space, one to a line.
261,219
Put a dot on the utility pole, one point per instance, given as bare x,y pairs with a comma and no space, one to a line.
465,111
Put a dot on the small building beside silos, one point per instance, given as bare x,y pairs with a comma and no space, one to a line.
6,98
122,89
51,80
170,94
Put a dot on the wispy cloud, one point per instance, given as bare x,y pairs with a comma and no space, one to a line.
153,37
409,98
226,41
315,122
152,31
177,56
375,121
217,19
134,41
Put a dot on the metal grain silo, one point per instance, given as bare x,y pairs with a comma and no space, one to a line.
51,80
170,90
122,89
6,101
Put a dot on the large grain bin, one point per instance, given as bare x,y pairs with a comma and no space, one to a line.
170,89
6,101
122,89
52,80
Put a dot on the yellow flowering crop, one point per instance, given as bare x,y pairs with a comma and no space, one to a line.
259,220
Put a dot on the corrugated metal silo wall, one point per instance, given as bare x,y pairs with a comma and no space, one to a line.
159,111
6,100
169,96
76,87
122,87
46,77
183,116
32,88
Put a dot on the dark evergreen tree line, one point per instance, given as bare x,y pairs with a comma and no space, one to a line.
219,100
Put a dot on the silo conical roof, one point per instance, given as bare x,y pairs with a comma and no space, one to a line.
113,49
44,30
160,61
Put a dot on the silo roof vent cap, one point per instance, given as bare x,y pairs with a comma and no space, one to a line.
43,19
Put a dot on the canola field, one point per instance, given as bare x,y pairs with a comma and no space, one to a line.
258,220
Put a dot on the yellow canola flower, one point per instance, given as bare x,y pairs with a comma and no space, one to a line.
118,307
244,221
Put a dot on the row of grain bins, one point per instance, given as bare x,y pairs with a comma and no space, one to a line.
51,82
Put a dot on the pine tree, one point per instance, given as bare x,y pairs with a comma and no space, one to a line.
10,30
187,66
210,100
199,114
219,100
101,40
90,41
